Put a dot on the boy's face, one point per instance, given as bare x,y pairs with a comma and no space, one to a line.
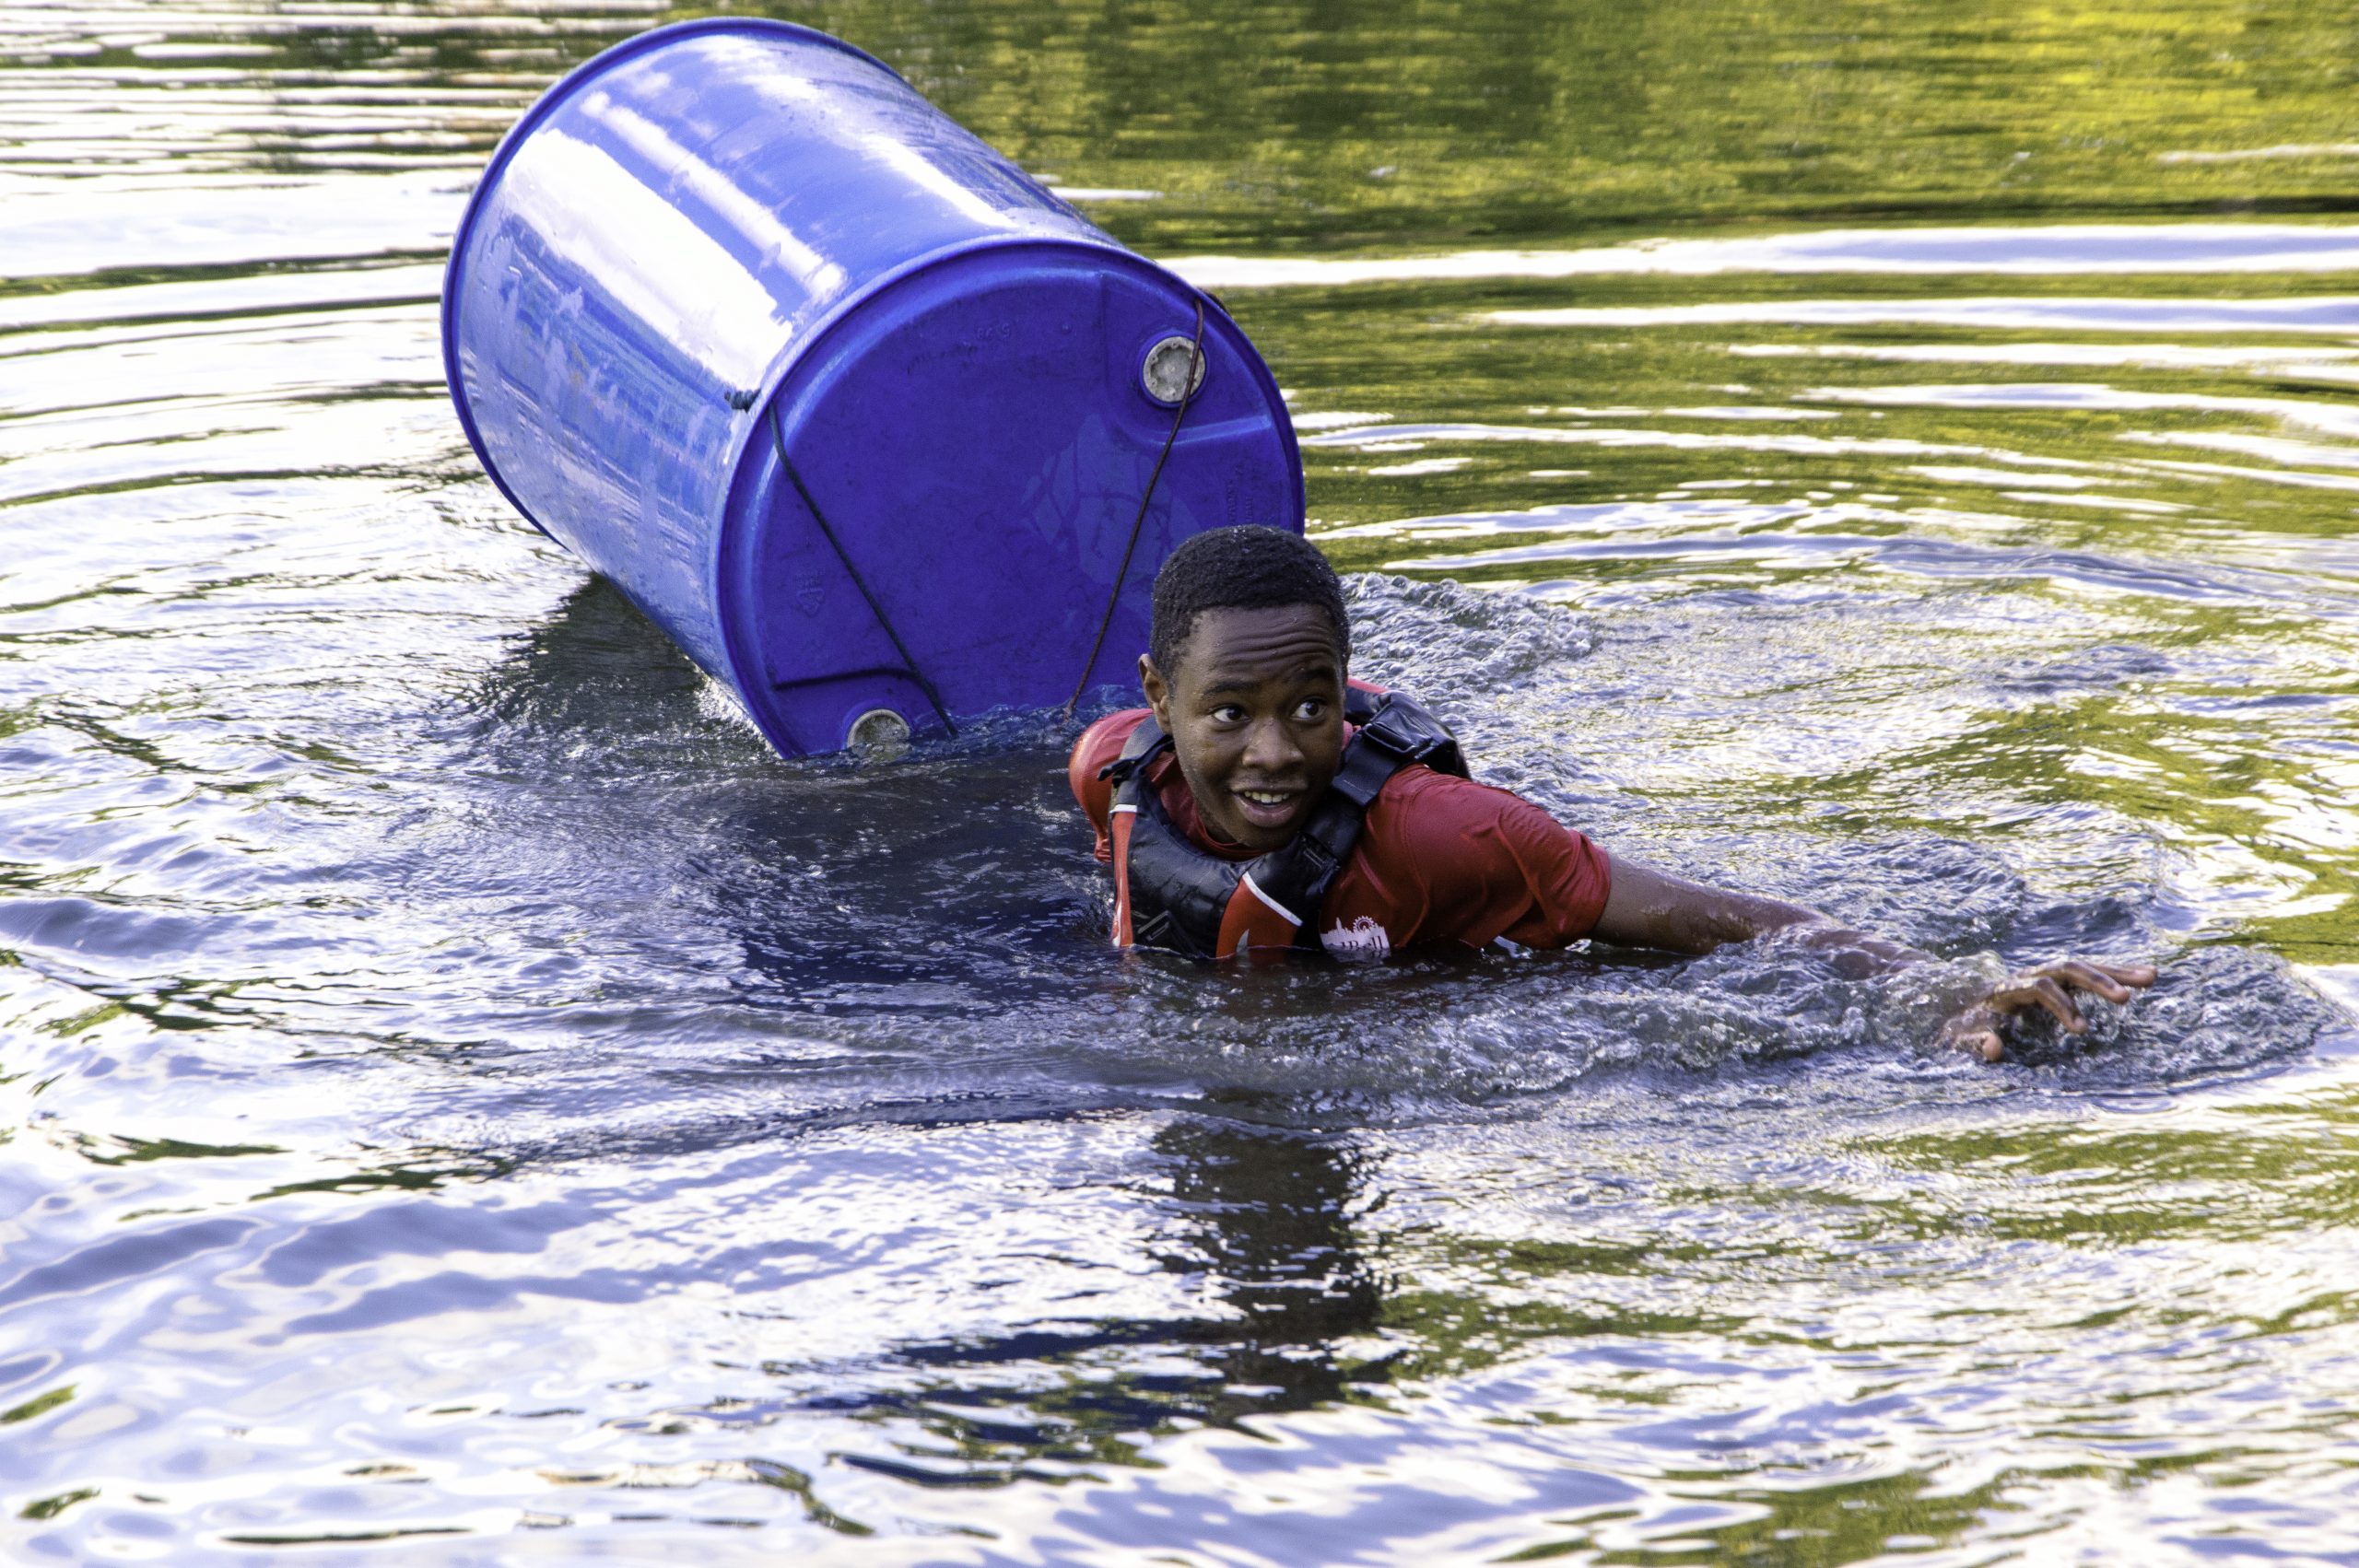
1255,713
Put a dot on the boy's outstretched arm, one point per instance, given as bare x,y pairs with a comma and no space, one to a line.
1650,909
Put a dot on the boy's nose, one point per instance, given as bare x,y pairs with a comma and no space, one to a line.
1270,748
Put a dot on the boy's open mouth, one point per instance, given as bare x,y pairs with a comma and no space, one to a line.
1268,807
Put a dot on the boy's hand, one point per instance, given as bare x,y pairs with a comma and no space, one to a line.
1980,1027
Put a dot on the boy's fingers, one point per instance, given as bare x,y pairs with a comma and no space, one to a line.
1979,1029
2138,975
2086,976
2037,990
1975,1032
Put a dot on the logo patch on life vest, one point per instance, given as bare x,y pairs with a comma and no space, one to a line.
1363,939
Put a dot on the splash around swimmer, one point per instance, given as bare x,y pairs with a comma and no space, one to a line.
1263,801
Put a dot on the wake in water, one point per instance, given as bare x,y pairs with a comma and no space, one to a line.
703,944
611,915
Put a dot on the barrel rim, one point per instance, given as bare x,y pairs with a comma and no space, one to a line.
558,92
779,379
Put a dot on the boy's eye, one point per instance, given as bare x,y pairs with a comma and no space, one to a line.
1310,707
1228,713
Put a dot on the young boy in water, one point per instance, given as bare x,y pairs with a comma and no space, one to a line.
1264,801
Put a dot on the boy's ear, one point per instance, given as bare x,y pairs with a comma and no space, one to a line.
1157,691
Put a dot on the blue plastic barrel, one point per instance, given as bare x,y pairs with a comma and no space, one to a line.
732,237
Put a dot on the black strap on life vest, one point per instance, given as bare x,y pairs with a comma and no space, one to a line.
1169,893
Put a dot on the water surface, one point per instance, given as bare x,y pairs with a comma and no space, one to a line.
462,1100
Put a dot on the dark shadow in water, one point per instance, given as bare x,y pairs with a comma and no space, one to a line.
596,663
1263,1217
939,880
1266,1213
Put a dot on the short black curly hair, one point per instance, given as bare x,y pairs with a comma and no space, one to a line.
1251,568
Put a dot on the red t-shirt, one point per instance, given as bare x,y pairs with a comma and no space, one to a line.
1441,858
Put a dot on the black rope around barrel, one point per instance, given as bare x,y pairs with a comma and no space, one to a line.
778,440
1113,598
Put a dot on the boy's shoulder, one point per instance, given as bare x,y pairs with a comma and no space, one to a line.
1442,817
1097,746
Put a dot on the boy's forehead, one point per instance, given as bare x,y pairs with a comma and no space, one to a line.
1227,644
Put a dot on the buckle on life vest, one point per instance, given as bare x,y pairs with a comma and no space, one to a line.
1411,733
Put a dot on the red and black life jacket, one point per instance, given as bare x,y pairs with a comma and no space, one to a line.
1168,893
